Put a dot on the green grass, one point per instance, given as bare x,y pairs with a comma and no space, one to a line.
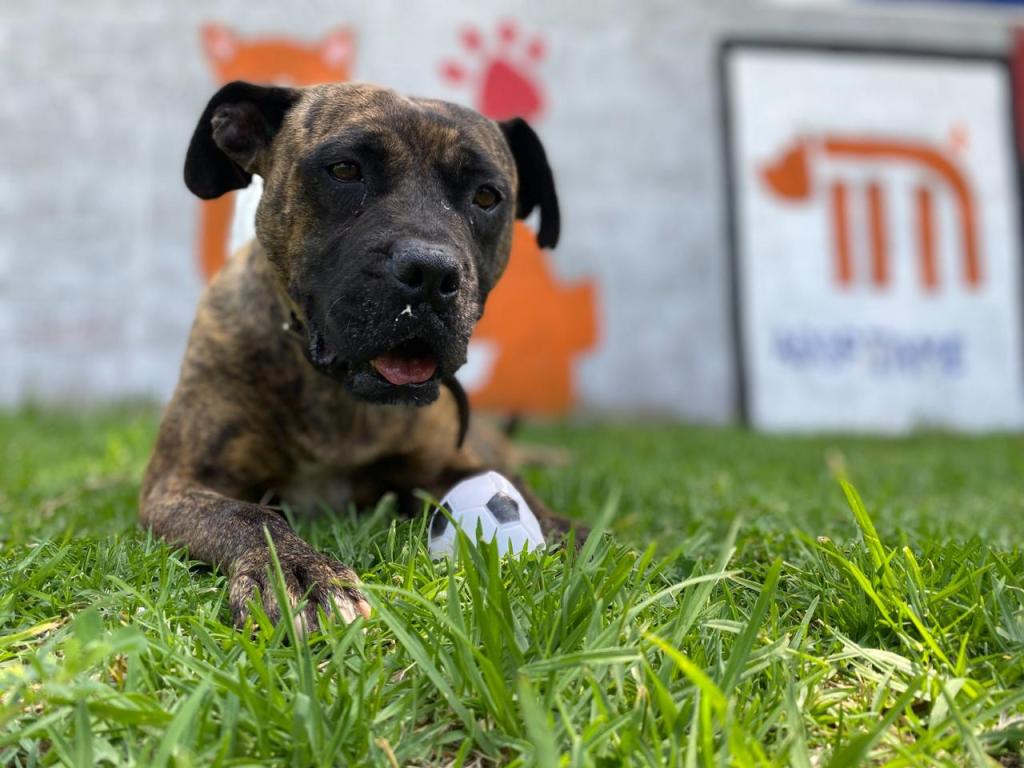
744,608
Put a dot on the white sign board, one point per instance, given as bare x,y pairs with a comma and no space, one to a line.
876,238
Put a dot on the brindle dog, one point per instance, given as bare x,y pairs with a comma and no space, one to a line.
320,368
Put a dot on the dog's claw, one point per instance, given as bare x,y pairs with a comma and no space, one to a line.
325,584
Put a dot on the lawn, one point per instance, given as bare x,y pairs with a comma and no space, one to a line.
742,608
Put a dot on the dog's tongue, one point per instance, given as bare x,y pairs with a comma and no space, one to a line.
399,370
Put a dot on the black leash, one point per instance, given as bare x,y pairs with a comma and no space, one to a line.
463,403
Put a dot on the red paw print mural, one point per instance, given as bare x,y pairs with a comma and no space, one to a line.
535,326
503,73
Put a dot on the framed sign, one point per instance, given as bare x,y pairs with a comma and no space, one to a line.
876,237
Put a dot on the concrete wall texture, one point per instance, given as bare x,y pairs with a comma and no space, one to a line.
98,268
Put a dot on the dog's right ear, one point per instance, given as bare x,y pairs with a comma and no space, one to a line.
536,183
229,142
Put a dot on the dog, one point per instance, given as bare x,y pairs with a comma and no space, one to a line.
320,369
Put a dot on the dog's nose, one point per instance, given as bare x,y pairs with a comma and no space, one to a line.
425,273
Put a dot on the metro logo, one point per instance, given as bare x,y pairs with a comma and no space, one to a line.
790,177
876,226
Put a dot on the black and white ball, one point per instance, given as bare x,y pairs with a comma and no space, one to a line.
492,502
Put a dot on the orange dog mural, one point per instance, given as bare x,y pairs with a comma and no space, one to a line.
537,327
265,60
534,327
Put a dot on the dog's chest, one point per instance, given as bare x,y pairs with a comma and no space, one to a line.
335,448
337,434
315,485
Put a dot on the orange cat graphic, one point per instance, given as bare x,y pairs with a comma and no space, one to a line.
263,60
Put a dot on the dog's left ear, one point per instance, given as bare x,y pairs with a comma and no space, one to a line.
536,184
236,127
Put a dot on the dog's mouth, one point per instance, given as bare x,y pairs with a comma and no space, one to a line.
409,373
411,363
390,368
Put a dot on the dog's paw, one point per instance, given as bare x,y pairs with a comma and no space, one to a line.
558,531
323,583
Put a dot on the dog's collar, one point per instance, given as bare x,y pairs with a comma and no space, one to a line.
294,328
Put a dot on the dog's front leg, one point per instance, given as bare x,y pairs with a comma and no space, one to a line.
232,535
552,524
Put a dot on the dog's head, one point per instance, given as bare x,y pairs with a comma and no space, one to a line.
387,219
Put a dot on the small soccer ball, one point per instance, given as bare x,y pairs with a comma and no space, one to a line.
492,502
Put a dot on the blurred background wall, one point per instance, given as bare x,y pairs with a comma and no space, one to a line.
102,247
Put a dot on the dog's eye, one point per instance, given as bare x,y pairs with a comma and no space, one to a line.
346,171
486,197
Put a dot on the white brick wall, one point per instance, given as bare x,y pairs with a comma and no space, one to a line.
98,280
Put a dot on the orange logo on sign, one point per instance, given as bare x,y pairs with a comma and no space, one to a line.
790,178
267,60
